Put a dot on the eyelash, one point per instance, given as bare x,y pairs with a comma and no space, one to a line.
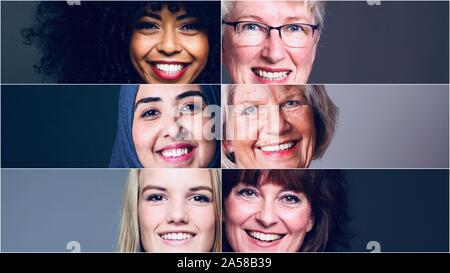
246,192
201,198
150,114
194,108
152,197
188,28
294,199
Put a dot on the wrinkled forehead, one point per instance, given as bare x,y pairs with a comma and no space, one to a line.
240,93
271,12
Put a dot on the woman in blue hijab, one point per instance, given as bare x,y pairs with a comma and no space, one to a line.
167,126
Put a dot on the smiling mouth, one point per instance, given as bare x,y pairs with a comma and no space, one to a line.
177,236
273,75
265,237
176,153
276,148
169,70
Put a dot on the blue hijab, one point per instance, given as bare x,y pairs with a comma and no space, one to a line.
123,153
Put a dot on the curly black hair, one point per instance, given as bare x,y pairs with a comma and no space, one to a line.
89,43
326,191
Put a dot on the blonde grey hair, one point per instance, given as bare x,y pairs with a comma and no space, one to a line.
129,236
325,114
317,8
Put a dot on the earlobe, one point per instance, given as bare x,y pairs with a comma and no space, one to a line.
310,225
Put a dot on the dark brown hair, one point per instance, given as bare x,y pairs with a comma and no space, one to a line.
324,189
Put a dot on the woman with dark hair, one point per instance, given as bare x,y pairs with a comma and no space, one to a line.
165,126
284,211
128,41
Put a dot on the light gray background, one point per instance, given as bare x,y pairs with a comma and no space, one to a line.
389,126
42,210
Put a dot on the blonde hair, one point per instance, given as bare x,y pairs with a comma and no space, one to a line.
129,236
325,114
317,8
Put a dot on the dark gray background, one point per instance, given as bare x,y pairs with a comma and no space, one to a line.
74,126
42,210
395,42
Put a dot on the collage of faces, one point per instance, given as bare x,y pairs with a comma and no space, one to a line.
225,126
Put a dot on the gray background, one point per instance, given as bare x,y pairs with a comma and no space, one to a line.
389,126
395,42
42,210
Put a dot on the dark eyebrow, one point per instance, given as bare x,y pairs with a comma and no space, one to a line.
151,15
190,94
146,100
199,188
184,16
151,187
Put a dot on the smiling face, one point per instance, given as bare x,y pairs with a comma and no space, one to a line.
176,210
168,46
266,218
170,127
271,61
268,127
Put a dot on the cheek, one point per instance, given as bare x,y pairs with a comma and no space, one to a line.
198,48
245,129
305,123
297,220
143,137
205,221
149,219
140,45
301,57
236,211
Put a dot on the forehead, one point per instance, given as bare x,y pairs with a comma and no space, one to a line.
263,93
175,179
271,12
164,91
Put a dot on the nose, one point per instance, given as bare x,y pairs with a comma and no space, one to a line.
177,213
274,50
174,128
169,44
267,215
275,123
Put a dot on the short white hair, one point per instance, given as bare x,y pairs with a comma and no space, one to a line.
316,7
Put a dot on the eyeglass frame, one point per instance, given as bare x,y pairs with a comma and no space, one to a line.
234,25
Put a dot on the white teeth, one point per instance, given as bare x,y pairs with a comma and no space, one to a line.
169,68
175,152
276,148
265,237
272,76
176,236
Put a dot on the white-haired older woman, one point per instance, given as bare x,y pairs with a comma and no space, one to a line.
276,126
271,41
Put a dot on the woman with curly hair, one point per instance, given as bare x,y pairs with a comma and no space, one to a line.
128,41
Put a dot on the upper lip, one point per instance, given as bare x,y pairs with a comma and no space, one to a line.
271,69
176,146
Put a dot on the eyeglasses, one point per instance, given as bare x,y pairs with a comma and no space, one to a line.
251,33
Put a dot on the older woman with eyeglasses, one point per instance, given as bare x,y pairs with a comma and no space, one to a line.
270,42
